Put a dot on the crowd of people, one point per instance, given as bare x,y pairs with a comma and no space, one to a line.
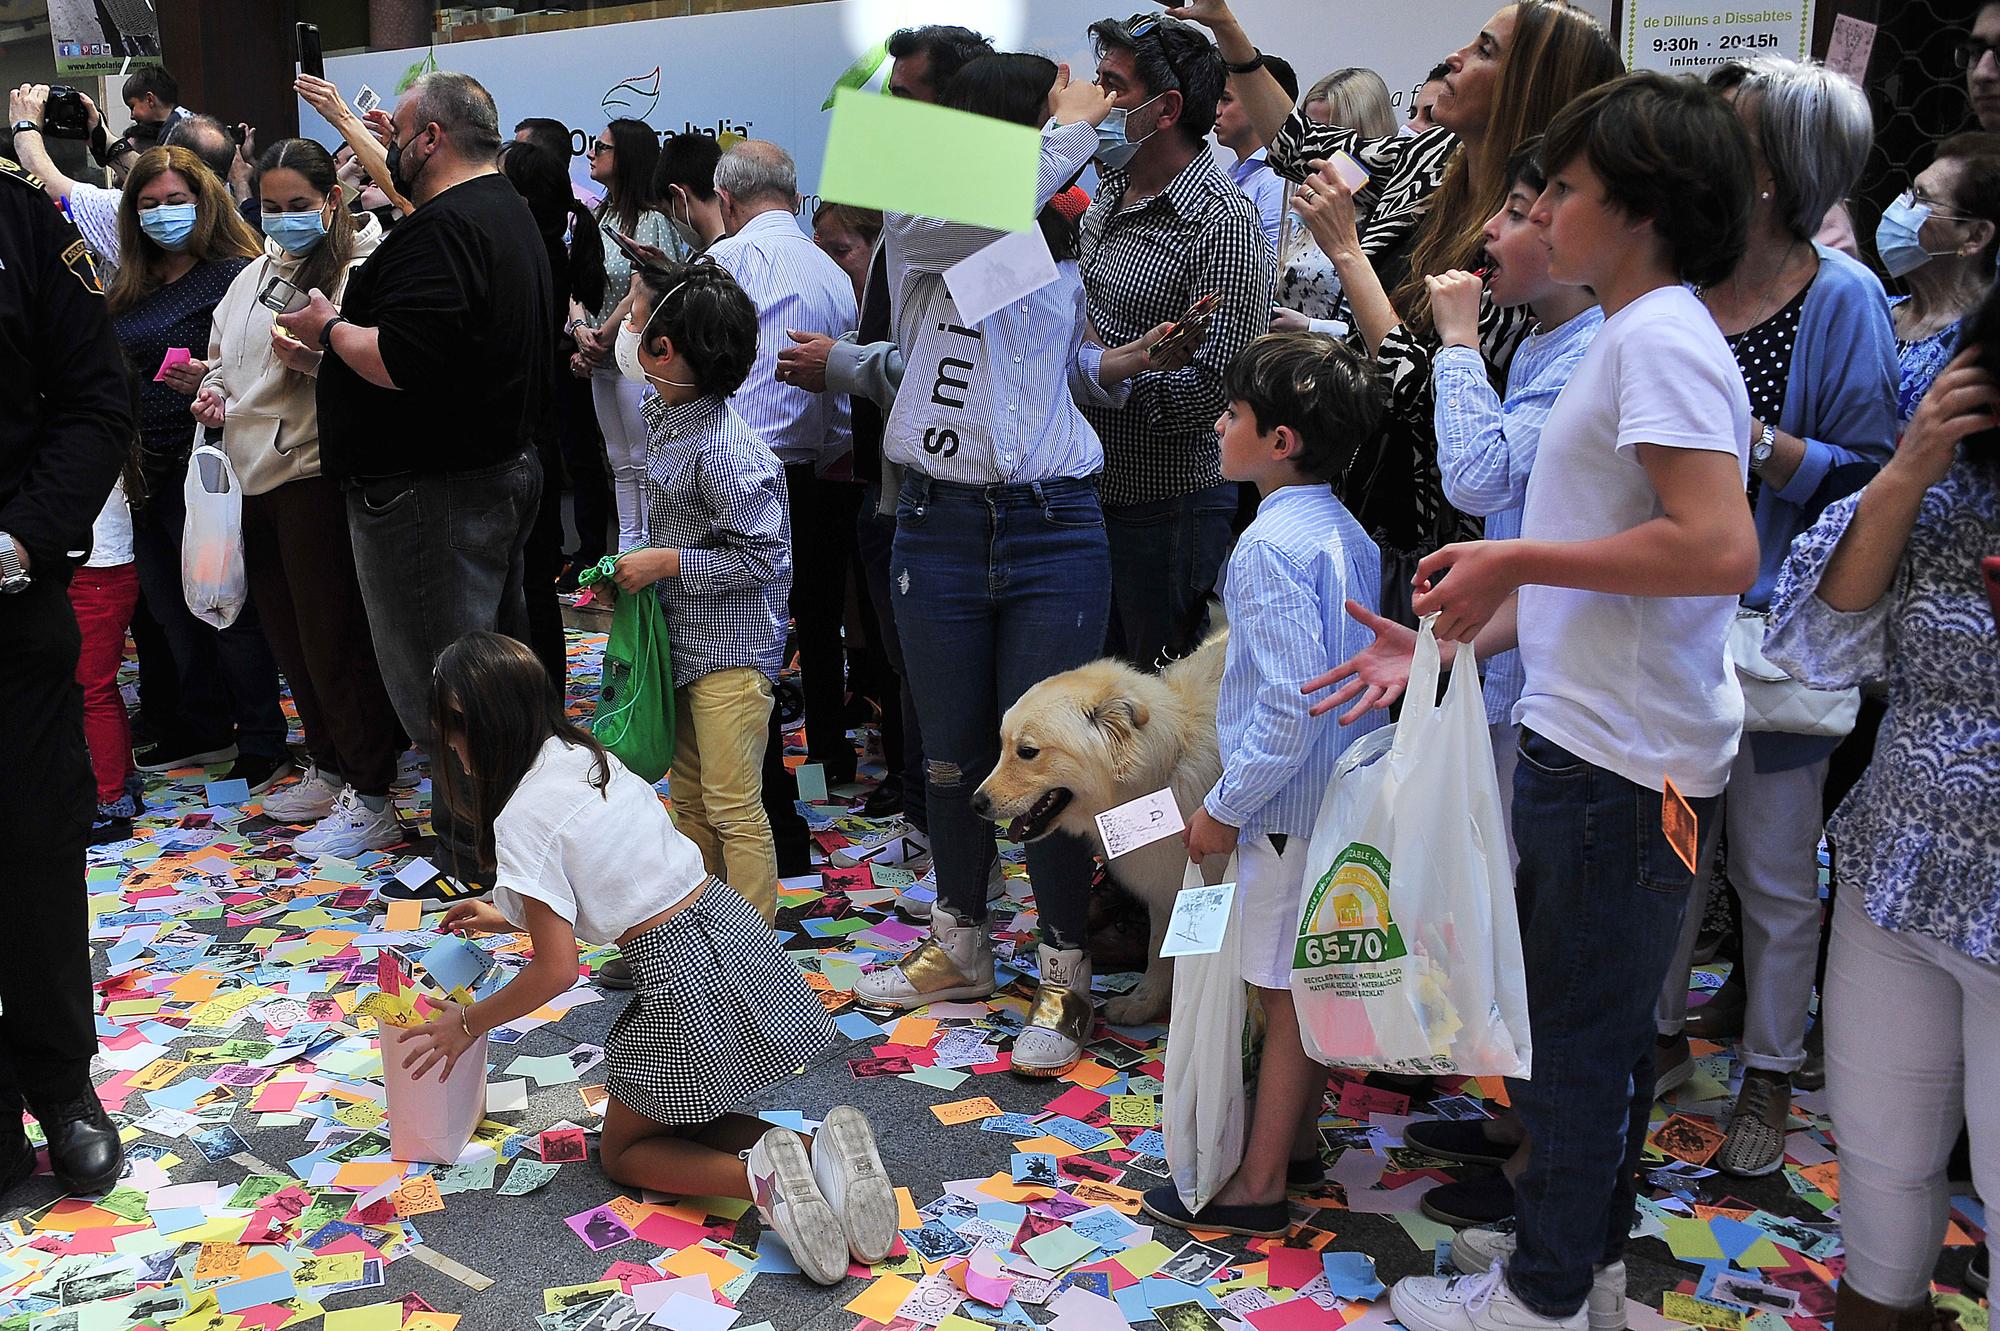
1714,507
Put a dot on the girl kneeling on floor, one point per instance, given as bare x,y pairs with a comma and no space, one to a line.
586,852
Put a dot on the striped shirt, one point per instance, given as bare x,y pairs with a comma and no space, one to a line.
1486,446
715,493
793,284
1293,570
991,405
1144,263
94,209
1265,188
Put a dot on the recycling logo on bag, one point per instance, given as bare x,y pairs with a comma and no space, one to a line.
1347,919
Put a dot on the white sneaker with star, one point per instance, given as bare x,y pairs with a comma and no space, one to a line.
1472,1303
1476,1249
349,829
790,1203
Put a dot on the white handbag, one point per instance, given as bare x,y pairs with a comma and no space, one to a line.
1775,701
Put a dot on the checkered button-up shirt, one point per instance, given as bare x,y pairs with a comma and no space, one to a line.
716,493
1144,262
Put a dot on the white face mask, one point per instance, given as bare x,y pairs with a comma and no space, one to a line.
626,353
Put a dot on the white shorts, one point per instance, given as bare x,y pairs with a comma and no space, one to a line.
1270,892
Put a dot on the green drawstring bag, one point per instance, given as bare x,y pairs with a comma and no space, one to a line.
635,697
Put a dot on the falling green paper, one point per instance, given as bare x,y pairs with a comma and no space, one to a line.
906,156
856,75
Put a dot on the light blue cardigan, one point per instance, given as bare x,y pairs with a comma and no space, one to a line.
1841,400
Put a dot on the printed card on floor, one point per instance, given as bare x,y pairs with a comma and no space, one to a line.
1195,1263
560,1146
600,1228
812,783
1139,822
1200,918
1035,1169
1695,1140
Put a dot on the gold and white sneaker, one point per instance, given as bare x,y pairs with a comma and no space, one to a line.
954,963
1060,1018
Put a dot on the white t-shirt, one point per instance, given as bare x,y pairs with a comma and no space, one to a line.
1638,685
604,861
111,534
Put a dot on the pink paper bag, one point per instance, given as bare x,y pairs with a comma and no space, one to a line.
432,1120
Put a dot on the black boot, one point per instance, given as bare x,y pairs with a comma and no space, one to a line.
84,1151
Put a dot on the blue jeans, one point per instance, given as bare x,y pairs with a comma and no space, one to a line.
1600,894
1166,557
997,587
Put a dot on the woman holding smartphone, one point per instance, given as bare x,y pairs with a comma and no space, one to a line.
258,387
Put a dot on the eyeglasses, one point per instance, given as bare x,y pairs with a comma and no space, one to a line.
1972,50
1141,25
1914,197
600,146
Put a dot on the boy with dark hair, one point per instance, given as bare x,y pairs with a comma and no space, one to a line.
684,184
1635,543
926,58
720,556
1297,402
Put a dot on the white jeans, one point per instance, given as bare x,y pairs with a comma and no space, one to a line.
1774,825
617,401
1912,1050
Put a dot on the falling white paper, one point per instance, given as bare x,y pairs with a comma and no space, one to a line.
1016,265
1139,822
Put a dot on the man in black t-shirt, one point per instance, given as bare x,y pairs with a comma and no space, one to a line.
437,368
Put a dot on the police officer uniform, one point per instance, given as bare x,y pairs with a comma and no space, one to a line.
64,432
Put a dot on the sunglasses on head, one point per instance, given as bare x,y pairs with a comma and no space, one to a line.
1144,25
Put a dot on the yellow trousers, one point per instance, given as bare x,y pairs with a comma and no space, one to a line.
720,725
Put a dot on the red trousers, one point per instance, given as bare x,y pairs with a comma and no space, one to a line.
103,599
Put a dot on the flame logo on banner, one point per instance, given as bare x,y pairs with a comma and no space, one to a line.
635,97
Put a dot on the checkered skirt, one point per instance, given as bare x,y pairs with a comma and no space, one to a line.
719,1013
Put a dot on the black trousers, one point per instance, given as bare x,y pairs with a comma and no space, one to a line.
47,797
823,514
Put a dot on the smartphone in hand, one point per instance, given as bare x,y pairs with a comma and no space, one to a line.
281,297
311,61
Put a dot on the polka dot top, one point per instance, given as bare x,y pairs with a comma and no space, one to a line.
1764,354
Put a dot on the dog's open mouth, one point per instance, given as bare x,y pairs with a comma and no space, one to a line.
1034,824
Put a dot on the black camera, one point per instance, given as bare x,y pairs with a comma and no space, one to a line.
66,116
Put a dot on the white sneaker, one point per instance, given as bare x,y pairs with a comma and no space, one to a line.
791,1204
1476,1249
915,901
308,800
849,1172
1471,1303
350,829
955,962
1061,1017
869,849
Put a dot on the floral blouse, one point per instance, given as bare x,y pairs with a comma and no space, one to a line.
1917,833
1919,362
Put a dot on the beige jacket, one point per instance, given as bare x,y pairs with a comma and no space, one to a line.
271,429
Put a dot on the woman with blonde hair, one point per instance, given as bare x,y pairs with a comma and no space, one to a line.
1421,212
1308,294
181,243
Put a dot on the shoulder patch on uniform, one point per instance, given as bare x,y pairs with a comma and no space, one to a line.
82,264
13,170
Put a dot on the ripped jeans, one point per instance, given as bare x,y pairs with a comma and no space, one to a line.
997,587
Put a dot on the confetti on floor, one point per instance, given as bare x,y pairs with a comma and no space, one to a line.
260,1193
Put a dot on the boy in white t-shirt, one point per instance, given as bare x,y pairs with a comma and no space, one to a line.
1635,543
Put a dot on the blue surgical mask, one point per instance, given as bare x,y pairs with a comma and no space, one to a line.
1896,237
296,233
1114,150
168,225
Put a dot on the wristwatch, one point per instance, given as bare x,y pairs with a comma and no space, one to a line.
26,126
326,333
1760,452
13,574
1255,62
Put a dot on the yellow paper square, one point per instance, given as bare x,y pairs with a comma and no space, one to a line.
374,1317
965,1111
879,1302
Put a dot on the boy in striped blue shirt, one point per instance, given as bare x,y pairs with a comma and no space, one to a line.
1298,403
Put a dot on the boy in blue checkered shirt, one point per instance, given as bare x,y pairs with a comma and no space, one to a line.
720,556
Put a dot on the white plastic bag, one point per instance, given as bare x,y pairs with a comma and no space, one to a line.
1409,950
1206,1116
212,576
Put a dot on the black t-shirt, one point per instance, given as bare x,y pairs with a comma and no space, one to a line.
462,295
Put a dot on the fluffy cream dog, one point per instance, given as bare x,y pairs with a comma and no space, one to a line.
1091,739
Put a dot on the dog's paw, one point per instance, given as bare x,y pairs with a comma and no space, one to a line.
1144,1005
